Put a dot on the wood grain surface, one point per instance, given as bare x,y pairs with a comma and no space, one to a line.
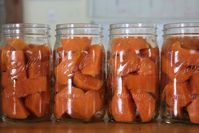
97,128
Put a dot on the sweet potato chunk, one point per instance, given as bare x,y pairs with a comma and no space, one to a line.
122,107
37,69
15,64
13,107
145,104
193,109
38,60
124,63
119,44
76,44
17,44
68,100
130,43
152,53
92,63
147,67
58,87
195,84
3,60
38,103
92,104
36,53
190,42
4,52
177,94
182,55
180,73
5,79
34,70
26,87
67,67
141,83
60,106
87,82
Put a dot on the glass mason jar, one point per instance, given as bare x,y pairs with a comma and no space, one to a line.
79,73
133,73
25,72
180,73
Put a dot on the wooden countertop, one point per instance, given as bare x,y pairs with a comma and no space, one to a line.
97,128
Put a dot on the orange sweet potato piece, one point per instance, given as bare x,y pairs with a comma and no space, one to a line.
177,94
15,64
37,69
76,44
147,67
45,68
4,50
17,44
67,67
180,73
182,55
34,70
87,82
5,79
58,87
194,82
122,107
123,63
13,107
24,87
36,53
60,106
141,83
193,109
68,100
126,44
38,60
38,103
93,62
152,53
190,42
166,48
3,60
116,84
146,105
92,103
138,43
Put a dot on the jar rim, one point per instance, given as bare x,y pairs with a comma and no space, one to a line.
77,25
25,29
133,29
181,25
133,25
25,25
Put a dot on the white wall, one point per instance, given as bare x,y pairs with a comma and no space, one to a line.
56,11
110,11
145,11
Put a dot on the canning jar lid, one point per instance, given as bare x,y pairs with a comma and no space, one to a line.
133,29
78,29
181,28
26,29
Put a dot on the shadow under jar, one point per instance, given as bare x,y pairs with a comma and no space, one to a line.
79,73
133,73
25,72
180,73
